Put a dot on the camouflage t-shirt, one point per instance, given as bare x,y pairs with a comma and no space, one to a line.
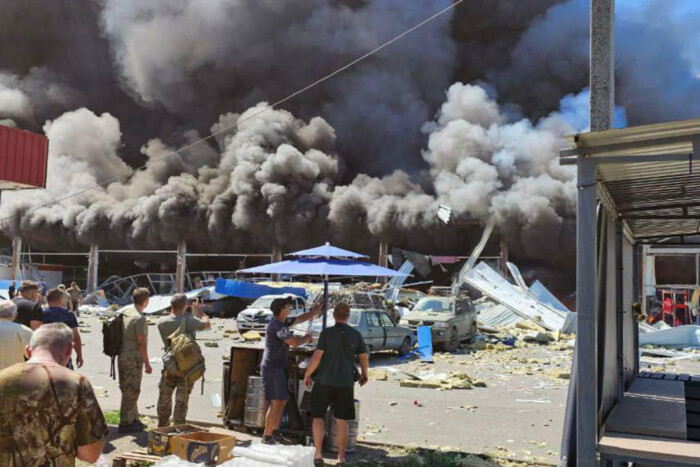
46,425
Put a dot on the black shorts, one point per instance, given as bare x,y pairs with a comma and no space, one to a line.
340,399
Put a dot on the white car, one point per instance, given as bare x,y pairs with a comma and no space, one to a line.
258,314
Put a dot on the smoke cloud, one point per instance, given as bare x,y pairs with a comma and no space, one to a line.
371,153
194,53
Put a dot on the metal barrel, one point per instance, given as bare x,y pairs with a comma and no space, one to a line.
255,404
353,429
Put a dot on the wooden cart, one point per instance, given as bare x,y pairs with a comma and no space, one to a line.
244,362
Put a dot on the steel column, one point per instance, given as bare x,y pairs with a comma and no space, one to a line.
619,308
383,257
587,328
504,256
276,258
181,267
16,272
93,266
602,85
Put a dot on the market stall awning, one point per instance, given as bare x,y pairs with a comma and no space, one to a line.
324,267
327,251
647,175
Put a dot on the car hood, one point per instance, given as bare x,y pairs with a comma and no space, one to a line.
256,312
427,316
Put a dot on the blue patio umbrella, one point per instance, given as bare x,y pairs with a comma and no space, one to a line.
325,261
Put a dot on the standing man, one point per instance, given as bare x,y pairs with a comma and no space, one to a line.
334,386
49,414
56,313
278,339
76,298
14,337
168,383
133,357
12,290
28,308
66,297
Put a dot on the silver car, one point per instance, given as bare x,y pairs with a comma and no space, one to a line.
378,331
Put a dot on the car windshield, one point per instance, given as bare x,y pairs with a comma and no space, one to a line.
262,302
439,304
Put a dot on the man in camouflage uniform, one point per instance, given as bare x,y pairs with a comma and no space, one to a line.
48,414
168,383
133,356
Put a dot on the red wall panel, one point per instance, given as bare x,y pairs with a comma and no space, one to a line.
23,159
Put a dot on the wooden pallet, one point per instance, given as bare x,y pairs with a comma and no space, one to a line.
139,455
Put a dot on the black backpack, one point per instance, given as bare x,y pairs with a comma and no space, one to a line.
112,330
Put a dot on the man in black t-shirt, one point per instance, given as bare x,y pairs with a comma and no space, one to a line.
28,310
334,385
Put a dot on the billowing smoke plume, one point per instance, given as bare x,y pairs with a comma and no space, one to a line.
270,181
371,153
277,179
187,54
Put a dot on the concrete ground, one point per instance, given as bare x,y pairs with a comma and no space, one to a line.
519,414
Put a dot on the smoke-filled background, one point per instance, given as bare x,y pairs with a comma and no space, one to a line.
469,111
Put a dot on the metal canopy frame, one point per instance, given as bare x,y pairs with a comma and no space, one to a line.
647,176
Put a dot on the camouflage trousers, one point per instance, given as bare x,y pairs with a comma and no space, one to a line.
168,385
130,374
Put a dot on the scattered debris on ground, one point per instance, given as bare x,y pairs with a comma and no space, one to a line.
252,336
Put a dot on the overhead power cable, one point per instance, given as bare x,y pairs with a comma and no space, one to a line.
241,121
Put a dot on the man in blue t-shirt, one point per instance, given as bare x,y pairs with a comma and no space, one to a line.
278,339
57,313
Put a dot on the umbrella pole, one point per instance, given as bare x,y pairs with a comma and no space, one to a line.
325,301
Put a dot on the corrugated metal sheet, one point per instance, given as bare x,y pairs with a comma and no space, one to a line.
517,276
499,316
497,288
23,159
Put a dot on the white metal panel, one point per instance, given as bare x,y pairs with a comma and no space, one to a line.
499,316
497,288
542,293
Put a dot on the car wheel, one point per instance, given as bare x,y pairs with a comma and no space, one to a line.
405,347
472,333
453,343
369,351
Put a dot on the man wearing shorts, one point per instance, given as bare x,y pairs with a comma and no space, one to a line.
335,354
278,339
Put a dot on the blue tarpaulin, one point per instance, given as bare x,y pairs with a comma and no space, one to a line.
252,290
425,344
